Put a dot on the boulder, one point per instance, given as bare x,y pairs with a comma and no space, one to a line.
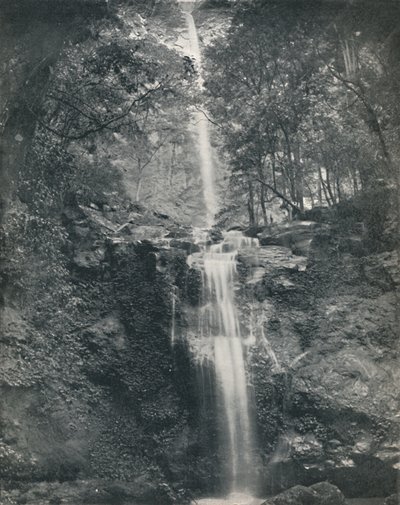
322,493
328,494
393,499
216,235
296,235
297,495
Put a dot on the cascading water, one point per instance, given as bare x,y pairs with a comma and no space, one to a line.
220,324
201,123
218,341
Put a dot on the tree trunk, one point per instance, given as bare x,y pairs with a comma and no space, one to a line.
250,205
329,187
273,161
172,163
338,190
263,204
319,191
287,202
138,189
139,181
298,177
321,179
290,172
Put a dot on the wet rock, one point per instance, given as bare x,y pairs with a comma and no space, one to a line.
97,220
185,245
277,258
390,454
328,494
321,493
255,275
255,263
297,495
338,314
393,499
296,235
179,233
216,235
253,231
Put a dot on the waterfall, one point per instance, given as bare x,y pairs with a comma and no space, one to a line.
219,342
221,325
200,121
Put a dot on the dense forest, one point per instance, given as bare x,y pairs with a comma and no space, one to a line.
305,97
101,196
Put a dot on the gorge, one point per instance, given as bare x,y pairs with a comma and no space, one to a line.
199,253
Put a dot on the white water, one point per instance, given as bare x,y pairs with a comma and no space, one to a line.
220,336
201,123
232,499
220,326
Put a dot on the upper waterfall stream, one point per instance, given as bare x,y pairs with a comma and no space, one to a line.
201,123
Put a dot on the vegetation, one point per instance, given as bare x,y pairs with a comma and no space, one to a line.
103,116
306,97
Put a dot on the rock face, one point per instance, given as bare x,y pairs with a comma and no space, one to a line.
99,408
96,492
329,409
296,235
89,389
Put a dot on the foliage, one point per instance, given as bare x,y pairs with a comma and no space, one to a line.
115,93
307,111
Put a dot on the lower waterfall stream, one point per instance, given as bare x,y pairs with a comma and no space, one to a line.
220,323
220,343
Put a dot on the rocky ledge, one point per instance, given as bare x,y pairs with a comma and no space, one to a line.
326,385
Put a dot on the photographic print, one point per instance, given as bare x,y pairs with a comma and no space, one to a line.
199,252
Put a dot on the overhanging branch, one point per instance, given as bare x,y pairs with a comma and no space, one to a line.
280,195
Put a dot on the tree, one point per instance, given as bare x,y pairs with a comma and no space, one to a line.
262,78
308,112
